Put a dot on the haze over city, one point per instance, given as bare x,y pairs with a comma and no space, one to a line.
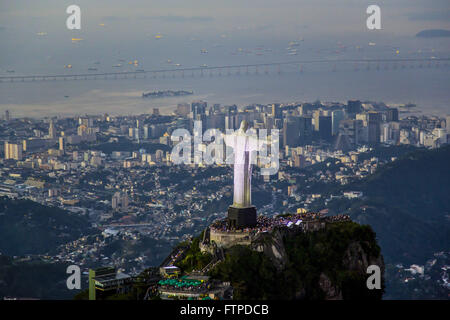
261,151
178,34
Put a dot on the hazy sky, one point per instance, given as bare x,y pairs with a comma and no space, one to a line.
404,17
113,24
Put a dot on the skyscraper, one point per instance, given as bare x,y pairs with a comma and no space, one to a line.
306,130
297,131
146,131
317,114
269,122
7,115
230,121
291,131
352,129
392,115
13,151
276,111
7,150
61,144
52,131
353,107
198,108
86,121
325,128
373,124
336,117
305,109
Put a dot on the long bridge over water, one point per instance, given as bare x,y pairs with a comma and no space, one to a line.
241,69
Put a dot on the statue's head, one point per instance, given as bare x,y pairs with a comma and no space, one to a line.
244,125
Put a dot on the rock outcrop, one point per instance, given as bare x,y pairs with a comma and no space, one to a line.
286,263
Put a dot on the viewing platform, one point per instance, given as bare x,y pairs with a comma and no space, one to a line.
219,234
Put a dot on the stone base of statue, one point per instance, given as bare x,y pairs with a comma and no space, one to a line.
241,217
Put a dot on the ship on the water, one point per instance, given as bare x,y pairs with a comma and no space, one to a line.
166,93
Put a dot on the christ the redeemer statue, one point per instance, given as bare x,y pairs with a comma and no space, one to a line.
242,213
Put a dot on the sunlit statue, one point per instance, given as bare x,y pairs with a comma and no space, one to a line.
242,213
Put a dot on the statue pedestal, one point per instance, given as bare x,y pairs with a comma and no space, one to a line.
241,217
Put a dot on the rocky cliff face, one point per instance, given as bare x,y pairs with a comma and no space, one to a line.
326,264
332,292
272,245
355,260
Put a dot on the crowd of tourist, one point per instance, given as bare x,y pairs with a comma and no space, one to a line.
265,224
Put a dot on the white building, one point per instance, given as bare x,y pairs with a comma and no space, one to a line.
13,151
